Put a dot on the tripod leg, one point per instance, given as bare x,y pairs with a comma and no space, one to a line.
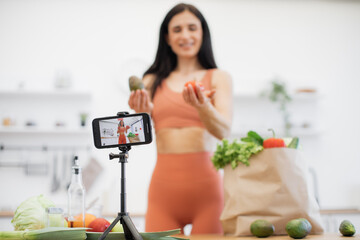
131,233
112,225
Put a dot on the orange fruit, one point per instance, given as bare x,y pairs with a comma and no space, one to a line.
79,221
89,218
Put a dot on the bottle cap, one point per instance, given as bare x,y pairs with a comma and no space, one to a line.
76,168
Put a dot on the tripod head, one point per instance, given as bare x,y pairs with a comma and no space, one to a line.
123,155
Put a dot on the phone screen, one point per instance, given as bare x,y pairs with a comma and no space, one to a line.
124,130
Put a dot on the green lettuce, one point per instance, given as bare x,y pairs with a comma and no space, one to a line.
131,135
31,214
234,153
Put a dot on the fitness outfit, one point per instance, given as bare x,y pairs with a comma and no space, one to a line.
184,188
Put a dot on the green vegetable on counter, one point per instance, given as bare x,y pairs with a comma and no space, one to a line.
298,228
262,228
347,229
234,153
31,214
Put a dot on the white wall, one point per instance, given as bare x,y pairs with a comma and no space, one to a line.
101,43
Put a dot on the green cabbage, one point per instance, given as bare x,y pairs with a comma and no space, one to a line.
31,214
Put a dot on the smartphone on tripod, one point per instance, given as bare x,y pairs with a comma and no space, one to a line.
122,130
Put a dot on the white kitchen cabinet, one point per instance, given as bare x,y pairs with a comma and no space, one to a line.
52,111
43,117
50,119
40,132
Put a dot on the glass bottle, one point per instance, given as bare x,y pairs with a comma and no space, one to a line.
76,197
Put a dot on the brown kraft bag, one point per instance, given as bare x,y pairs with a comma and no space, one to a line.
274,187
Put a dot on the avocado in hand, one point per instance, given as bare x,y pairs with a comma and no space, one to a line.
135,83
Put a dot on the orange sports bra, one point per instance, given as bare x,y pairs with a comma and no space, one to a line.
122,130
170,109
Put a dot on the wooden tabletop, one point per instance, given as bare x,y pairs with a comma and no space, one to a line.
326,236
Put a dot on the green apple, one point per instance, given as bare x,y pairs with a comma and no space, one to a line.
118,227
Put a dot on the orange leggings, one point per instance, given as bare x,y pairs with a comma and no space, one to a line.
185,189
122,139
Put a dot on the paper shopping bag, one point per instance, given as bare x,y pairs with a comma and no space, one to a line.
134,139
274,187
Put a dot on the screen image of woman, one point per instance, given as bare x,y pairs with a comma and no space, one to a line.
122,130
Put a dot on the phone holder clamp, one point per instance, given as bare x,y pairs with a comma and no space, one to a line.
121,114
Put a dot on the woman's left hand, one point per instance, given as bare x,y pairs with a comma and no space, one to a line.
196,97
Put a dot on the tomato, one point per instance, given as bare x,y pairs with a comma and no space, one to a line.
193,84
99,225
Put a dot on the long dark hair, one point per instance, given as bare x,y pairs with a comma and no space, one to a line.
166,61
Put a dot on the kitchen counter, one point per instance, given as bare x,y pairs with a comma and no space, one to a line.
332,219
327,236
322,212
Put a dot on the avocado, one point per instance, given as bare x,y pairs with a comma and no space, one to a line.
346,228
262,228
298,228
309,227
135,83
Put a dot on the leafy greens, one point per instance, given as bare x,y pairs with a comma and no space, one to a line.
235,153
31,214
131,135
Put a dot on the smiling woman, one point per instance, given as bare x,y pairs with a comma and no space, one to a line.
185,187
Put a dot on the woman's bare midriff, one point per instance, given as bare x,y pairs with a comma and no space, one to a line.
184,140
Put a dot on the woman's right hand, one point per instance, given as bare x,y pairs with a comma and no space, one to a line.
139,101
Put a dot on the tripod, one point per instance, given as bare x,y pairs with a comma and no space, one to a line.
130,230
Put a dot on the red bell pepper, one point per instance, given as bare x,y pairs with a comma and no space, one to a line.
273,142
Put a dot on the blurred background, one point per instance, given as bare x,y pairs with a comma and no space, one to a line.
63,63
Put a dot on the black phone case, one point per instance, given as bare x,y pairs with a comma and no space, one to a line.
147,130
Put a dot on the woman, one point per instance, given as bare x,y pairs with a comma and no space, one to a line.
121,131
185,188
